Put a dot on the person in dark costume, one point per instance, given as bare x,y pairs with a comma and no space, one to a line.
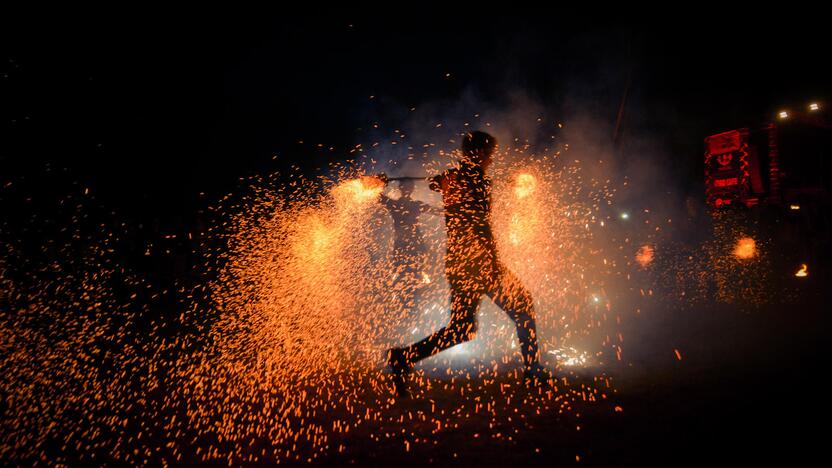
473,268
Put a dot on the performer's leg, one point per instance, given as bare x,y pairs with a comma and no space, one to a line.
509,294
461,328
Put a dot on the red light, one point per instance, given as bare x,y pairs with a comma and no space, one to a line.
726,182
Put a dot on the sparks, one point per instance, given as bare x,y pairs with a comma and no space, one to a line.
745,248
526,184
644,256
359,190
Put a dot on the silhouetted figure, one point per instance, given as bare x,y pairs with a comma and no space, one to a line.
409,251
472,267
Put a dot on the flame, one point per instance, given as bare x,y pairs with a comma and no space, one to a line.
803,271
644,256
358,190
746,248
526,184
425,278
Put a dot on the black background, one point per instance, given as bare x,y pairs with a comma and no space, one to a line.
149,108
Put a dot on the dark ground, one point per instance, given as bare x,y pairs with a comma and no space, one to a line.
748,390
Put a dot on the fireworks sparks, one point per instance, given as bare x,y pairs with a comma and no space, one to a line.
526,183
525,211
309,305
571,357
729,266
73,341
358,190
644,256
745,249
279,353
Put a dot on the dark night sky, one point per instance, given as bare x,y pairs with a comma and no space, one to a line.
150,109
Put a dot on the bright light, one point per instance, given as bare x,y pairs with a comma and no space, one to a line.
625,215
571,357
814,106
526,184
794,207
783,115
461,349
362,189
745,248
803,271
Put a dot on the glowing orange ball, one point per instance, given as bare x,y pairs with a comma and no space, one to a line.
644,256
746,248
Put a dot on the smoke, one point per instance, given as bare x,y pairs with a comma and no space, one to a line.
637,190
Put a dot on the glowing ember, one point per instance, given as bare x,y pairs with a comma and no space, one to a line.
803,271
644,256
746,248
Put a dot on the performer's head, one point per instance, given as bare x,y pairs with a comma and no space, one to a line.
478,148
406,187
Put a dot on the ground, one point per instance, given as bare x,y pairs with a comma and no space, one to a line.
749,388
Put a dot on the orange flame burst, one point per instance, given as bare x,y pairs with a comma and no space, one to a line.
745,249
644,256
359,190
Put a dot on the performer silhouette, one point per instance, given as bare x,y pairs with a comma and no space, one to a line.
472,267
